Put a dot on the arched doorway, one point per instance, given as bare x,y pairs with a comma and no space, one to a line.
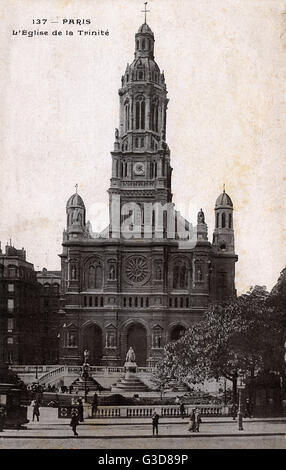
137,338
92,341
177,332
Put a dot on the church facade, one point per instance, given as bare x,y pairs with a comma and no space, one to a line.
150,274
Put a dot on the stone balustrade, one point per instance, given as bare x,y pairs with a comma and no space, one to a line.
168,411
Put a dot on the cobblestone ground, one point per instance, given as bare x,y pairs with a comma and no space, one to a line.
215,433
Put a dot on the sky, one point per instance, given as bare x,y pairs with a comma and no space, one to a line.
225,70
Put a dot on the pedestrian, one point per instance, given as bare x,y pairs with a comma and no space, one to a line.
80,410
155,422
198,420
36,409
2,418
74,422
234,410
192,421
182,410
247,412
94,404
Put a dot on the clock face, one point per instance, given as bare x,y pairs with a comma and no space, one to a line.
139,168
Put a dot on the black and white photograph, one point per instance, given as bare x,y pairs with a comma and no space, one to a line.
143,227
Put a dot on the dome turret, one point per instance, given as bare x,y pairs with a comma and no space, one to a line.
75,209
223,237
223,201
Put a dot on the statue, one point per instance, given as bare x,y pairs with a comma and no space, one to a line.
85,355
73,272
201,217
116,134
130,356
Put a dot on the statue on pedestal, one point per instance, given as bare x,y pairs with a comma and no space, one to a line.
130,356
130,364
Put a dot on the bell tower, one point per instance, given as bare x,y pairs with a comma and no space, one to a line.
141,170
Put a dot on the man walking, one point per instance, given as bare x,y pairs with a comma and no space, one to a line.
155,422
74,422
36,409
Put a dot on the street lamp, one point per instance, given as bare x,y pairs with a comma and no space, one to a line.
240,386
85,372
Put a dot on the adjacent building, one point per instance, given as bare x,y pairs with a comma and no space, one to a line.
49,293
19,309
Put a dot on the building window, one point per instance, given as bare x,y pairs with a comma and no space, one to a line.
90,301
71,340
229,221
124,302
10,324
147,301
11,288
223,220
217,220
140,113
10,340
10,305
199,274
154,116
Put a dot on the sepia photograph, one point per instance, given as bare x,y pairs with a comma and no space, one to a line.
142,234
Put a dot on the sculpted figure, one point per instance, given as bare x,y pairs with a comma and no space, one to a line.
130,356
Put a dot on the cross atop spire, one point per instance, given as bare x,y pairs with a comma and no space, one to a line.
76,186
145,11
224,187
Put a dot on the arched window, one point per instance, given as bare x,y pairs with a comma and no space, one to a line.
183,277
143,44
98,277
230,221
91,277
217,220
137,114
176,275
140,113
223,220
154,115
127,116
137,44
90,301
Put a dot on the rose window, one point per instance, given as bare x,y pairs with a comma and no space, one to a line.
136,269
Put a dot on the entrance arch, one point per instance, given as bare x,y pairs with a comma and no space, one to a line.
177,332
137,339
92,341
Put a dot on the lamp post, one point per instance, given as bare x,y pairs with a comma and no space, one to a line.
240,386
85,372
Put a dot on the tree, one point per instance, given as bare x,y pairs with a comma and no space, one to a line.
244,334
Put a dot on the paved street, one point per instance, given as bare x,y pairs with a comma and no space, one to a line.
220,433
